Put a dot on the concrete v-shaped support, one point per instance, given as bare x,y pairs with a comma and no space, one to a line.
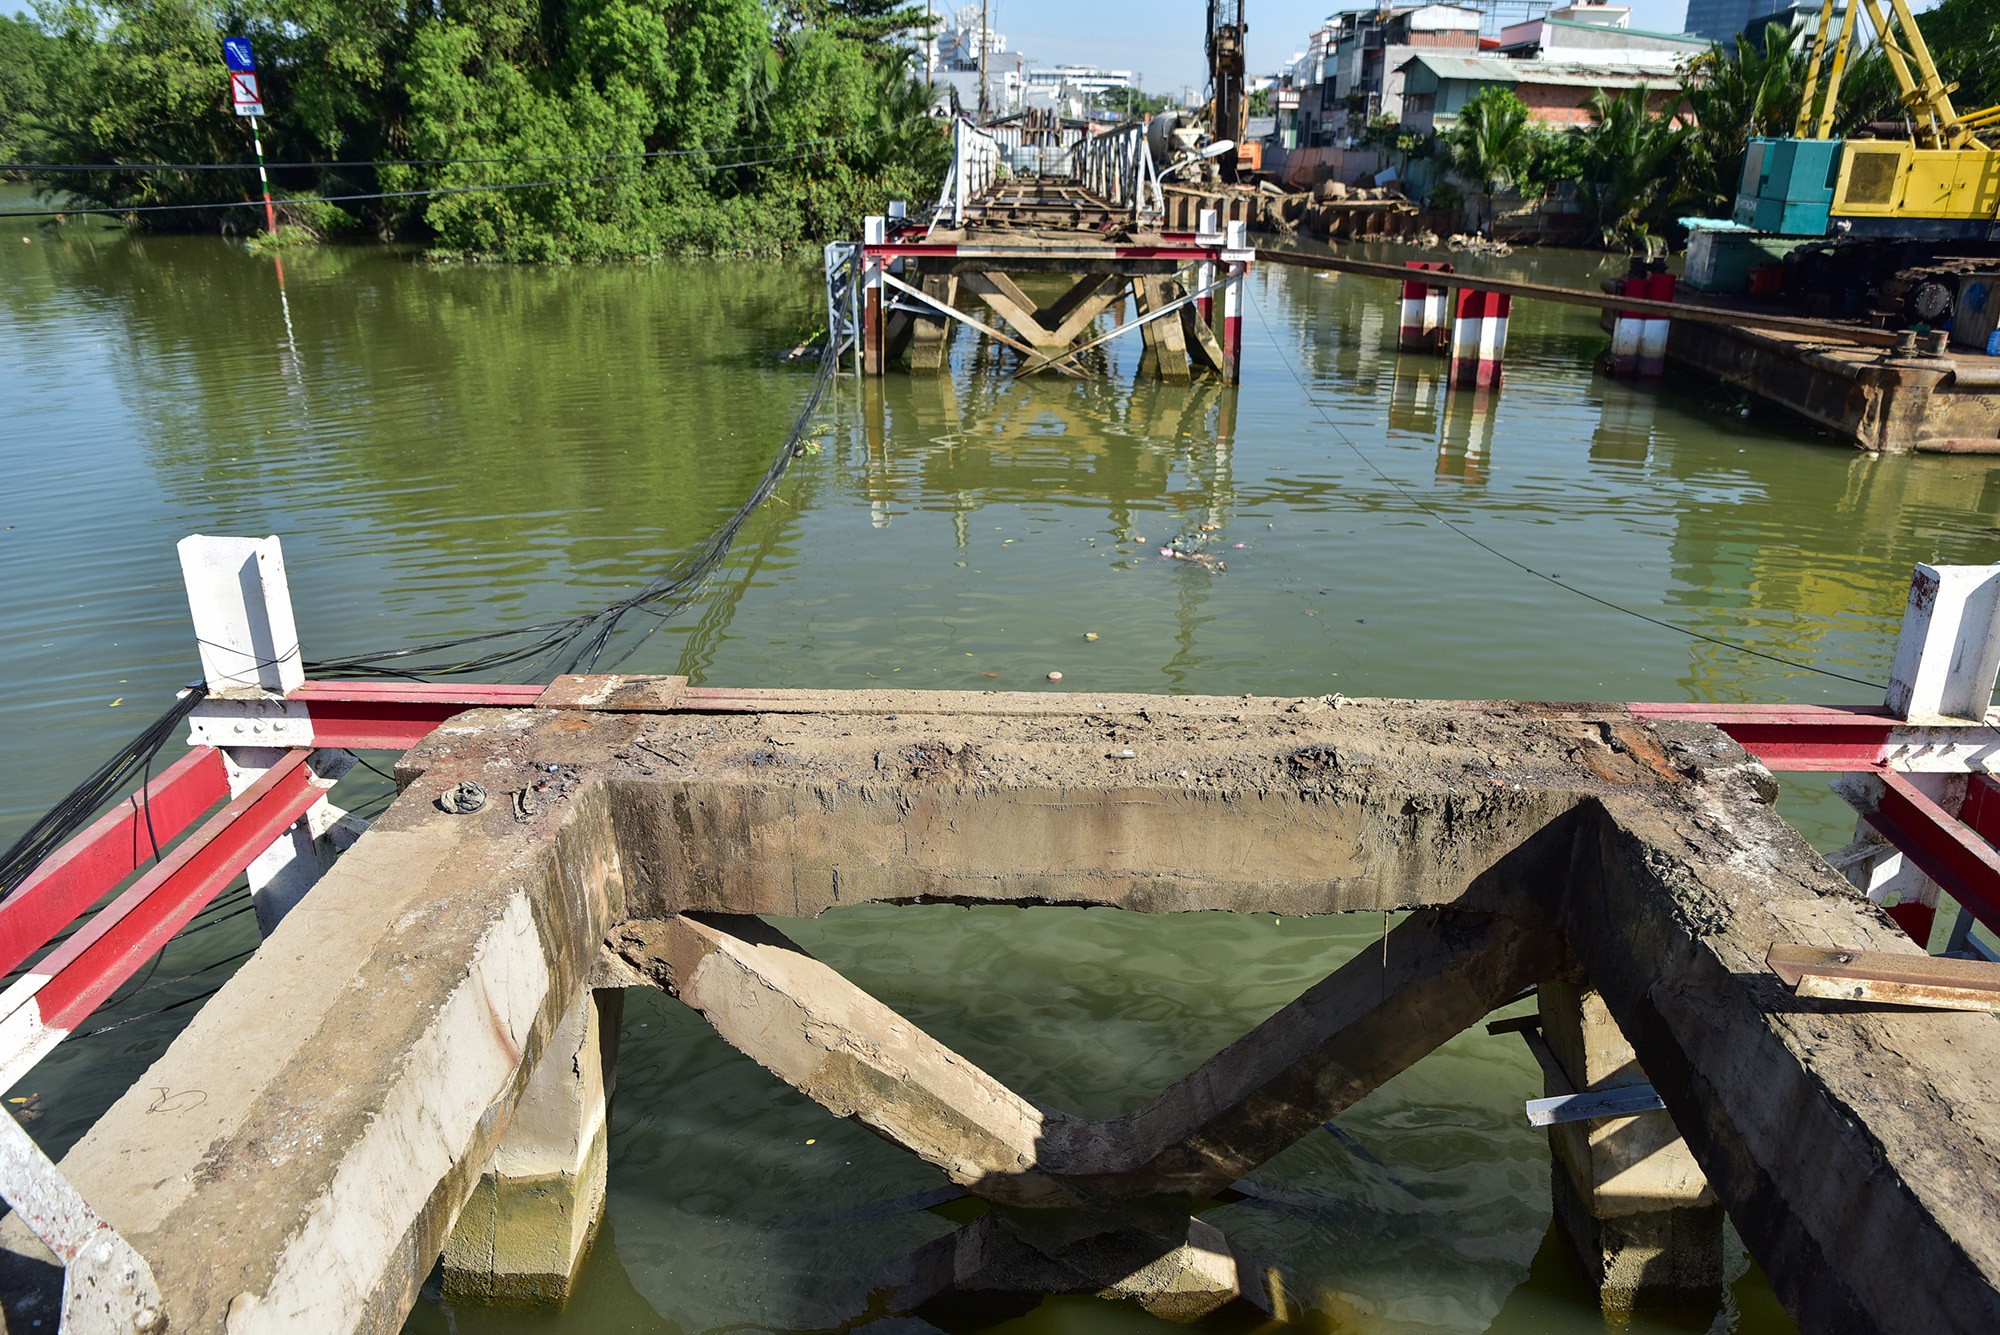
1435,974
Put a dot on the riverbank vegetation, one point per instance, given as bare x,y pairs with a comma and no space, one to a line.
615,129
1644,160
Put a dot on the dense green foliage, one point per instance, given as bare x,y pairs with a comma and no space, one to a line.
720,125
23,95
1491,141
1132,101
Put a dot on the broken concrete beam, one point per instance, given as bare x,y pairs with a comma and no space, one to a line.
522,1236
847,1051
1855,1150
1435,975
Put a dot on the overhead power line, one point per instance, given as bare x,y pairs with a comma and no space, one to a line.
411,162
429,192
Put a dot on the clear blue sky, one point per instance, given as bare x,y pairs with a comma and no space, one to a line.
1163,40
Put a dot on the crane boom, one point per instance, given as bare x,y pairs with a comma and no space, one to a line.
1226,76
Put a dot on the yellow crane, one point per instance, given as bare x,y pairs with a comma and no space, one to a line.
1943,183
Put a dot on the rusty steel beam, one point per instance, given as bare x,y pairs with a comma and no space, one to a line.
1880,977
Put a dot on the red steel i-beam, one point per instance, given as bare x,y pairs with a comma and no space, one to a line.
395,716
117,844
123,935
1942,846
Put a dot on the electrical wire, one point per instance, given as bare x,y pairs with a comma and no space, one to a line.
82,802
1518,564
578,643
414,162
431,192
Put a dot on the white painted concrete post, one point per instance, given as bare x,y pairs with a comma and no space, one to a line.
1947,659
242,610
1949,652
241,606
1237,252
874,232
523,1234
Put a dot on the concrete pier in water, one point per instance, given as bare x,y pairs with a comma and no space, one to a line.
415,1064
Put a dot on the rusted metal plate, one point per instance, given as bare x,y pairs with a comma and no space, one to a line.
1929,981
614,694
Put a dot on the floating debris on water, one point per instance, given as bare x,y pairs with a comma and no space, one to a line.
1191,547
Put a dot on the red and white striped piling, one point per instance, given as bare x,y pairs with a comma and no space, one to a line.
1208,232
1236,253
1627,331
874,232
1426,316
1653,329
1478,338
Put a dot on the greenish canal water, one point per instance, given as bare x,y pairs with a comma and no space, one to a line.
447,451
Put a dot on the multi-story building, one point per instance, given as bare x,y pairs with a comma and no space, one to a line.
1089,80
1721,20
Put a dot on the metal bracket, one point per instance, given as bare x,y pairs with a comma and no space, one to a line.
107,1285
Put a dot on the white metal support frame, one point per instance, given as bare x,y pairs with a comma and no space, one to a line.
975,165
843,299
108,1289
1947,662
1118,168
241,606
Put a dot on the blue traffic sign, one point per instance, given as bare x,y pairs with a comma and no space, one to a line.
236,51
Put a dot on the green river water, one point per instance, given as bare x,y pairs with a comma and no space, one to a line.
453,450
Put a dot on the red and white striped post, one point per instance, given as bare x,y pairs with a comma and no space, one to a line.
874,232
1653,329
1627,331
1478,339
1207,232
1236,255
1426,314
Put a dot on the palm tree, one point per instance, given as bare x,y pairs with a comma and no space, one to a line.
1490,142
1631,181
1738,95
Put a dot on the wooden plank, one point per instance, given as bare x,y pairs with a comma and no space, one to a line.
1007,301
1078,321
930,341
1201,341
1163,336
1931,982
1593,1104
980,325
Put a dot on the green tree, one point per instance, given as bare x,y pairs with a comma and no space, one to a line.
1489,143
619,128
1630,181
23,94
1964,38
1132,101
1736,94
